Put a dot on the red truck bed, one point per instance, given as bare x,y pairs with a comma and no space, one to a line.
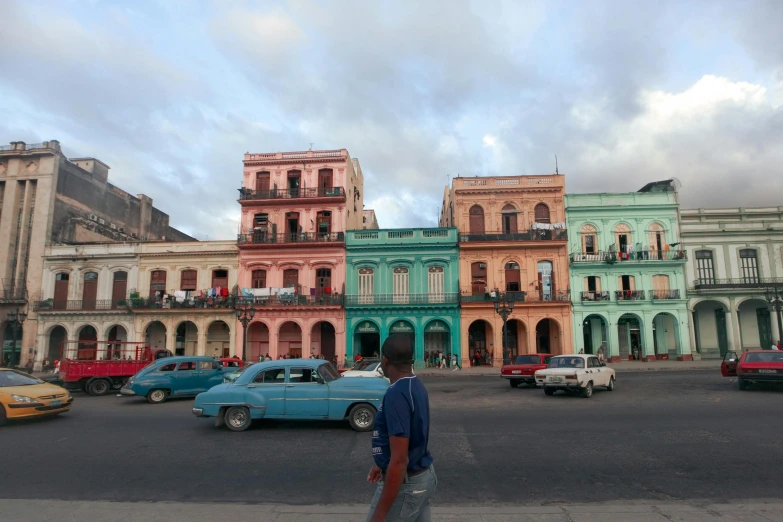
100,367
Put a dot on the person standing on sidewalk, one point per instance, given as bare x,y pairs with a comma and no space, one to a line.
403,466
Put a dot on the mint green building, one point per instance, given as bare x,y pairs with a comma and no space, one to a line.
627,271
402,281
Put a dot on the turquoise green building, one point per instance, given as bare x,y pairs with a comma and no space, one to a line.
402,281
627,271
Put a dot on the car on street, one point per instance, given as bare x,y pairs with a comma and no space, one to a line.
178,376
753,366
24,397
523,369
370,367
292,389
575,373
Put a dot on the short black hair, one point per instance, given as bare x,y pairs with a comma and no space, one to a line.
398,349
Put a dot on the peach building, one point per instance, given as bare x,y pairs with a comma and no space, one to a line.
513,245
296,207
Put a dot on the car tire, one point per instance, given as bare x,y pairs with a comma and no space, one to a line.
98,387
237,418
610,386
3,419
157,396
513,383
362,417
548,390
742,383
587,391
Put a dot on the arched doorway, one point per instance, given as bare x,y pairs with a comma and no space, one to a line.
666,339
508,216
322,340
711,329
257,341
595,334
186,341
218,340
548,337
114,349
517,337
57,336
289,340
629,332
406,329
155,336
366,339
437,337
87,347
480,342
755,324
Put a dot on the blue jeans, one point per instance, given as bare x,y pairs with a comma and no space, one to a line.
413,501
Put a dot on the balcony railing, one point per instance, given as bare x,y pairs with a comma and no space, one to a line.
739,283
664,294
50,305
540,297
488,298
530,235
401,299
292,193
293,300
177,303
595,296
639,255
629,295
14,290
260,238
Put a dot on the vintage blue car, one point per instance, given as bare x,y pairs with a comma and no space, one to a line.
295,389
180,376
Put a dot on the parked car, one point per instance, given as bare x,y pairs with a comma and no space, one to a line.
233,362
179,376
292,389
753,366
524,368
24,397
575,373
370,367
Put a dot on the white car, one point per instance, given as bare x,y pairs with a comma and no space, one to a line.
365,368
575,373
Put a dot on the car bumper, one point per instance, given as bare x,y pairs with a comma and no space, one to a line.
573,386
128,392
519,377
198,412
36,409
761,377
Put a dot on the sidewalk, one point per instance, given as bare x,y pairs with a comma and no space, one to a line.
618,511
627,366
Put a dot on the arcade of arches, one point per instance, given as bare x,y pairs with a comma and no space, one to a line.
288,338
722,325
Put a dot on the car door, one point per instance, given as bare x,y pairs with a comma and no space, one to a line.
596,372
210,373
728,368
186,378
268,389
306,394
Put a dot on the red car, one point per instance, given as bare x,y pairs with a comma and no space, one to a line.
753,366
524,368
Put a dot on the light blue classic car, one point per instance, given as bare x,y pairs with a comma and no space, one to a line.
295,389
180,376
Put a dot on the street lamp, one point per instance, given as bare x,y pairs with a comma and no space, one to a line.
774,295
15,320
245,314
504,306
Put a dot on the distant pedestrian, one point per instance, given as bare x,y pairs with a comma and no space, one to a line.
776,346
582,351
455,363
476,358
442,360
601,353
427,359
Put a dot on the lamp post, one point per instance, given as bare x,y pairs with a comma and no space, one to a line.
774,295
504,306
15,320
245,314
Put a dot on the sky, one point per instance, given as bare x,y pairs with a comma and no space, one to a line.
171,94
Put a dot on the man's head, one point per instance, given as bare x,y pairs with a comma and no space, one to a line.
397,353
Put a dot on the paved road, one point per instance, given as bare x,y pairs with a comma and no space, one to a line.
659,436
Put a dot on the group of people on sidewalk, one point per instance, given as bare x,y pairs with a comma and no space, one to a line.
438,359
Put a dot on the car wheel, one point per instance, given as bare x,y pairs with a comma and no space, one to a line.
743,385
513,383
548,390
610,386
237,418
362,417
98,387
2,415
156,396
587,391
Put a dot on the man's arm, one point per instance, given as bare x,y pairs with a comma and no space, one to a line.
395,474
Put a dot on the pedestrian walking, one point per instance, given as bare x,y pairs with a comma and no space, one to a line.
442,360
601,353
455,363
427,359
403,466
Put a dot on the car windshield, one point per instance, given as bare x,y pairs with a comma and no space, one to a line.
233,376
527,359
14,378
771,357
328,373
567,362
366,365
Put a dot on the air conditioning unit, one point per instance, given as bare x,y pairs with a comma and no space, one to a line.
93,217
101,221
113,226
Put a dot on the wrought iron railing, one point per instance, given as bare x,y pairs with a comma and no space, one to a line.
530,235
595,296
173,302
292,193
664,294
14,290
488,298
292,300
50,305
401,299
629,295
257,238
637,255
541,297
742,282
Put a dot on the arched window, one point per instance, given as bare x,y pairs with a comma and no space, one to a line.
623,240
509,217
589,239
259,278
512,277
476,223
541,212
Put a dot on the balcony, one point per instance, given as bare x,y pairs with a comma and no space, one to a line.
664,294
629,295
182,303
517,297
595,296
611,257
401,299
292,300
402,236
297,238
246,194
737,284
14,291
531,235
50,305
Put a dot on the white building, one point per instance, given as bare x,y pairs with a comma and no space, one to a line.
734,254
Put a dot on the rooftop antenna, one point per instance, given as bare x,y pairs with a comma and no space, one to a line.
556,171
311,145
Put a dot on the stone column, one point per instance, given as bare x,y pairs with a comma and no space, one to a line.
613,349
648,340
418,356
273,336
579,332
732,343
306,341
773,320
684,348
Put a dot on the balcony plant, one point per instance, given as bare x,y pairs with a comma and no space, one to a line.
47,304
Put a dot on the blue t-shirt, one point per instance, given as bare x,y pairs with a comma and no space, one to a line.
404,412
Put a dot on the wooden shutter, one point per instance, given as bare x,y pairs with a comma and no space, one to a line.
90,290
262,181
157,282
478,277
189,280
259,278
476,220
325,178
219,278
61,291
119,287
290,278
541,213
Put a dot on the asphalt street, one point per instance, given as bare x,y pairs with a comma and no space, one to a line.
659,436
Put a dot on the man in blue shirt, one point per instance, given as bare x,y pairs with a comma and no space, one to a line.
403,465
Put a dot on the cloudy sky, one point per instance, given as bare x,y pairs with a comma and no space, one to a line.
171,93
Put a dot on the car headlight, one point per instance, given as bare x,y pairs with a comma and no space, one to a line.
22,398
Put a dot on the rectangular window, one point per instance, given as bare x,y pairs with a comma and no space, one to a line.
589,246
301,375
273,376
186,366
219,278
366,285
436,284
290,278
749,266
189,280
704,267
593,284
157,283
400,285
259,278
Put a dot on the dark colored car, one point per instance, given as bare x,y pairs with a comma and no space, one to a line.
523,369
753,366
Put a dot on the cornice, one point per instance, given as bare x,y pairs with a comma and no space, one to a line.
192,254
296,161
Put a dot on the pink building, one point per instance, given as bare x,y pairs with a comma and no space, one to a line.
296,207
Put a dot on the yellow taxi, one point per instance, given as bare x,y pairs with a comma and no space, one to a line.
25,397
